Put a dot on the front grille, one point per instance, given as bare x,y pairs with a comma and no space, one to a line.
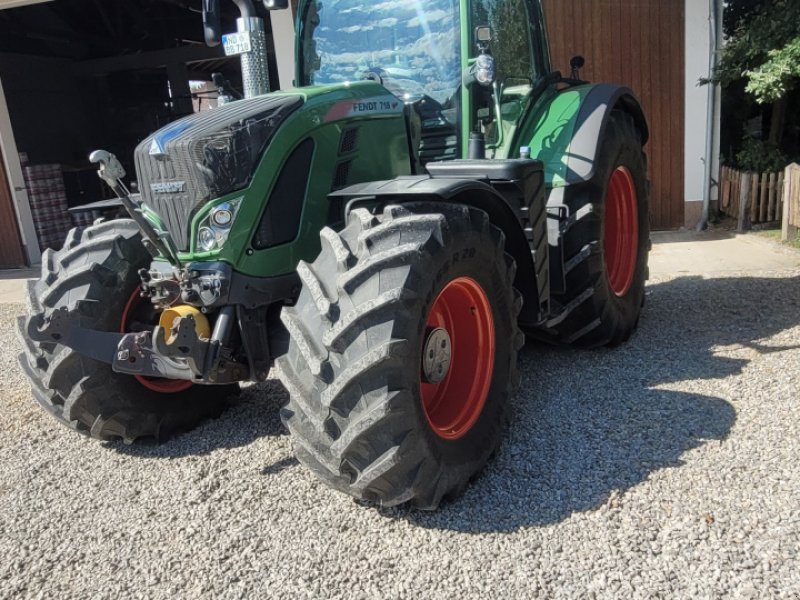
204,156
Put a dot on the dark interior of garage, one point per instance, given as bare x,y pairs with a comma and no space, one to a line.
85,74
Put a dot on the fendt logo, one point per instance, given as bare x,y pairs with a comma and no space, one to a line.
168,187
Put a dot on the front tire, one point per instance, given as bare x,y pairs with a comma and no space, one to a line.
367,415
96,277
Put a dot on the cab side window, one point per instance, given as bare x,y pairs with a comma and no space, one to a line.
511,43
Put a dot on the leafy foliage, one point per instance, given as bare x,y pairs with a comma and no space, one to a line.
778,75
764,47
760,156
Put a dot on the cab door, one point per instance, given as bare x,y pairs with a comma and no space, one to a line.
519,47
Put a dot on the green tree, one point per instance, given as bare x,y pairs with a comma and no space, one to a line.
763,48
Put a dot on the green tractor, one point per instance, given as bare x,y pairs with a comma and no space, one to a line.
385,235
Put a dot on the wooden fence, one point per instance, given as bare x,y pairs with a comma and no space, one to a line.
791,202
752,198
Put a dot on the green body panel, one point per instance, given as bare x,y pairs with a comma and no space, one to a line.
466,61
546,124
382,153
516,103
549,128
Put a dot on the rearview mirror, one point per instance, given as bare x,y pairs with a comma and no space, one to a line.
576,64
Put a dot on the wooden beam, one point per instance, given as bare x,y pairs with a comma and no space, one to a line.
771,191
753,199
744,202
789,190
147,60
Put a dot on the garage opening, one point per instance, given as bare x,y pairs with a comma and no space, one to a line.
89,74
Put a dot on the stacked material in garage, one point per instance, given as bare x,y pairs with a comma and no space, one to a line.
48,200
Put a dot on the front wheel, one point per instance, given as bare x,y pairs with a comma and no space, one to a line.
403,353
95,277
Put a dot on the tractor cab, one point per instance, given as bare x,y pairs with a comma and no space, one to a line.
465,70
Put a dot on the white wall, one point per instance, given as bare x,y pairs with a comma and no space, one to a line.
699,44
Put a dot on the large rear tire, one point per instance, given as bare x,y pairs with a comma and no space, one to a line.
367,414
95,275
606,248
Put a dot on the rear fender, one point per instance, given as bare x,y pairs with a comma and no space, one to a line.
565,133
459,191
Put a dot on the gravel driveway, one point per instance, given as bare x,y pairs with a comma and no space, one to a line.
668,467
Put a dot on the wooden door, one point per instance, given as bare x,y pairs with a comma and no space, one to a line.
11,254
640,44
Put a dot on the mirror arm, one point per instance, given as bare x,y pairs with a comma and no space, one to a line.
211,23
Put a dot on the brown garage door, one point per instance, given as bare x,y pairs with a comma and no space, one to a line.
10,247
638,43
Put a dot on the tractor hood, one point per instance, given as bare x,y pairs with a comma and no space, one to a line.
205,156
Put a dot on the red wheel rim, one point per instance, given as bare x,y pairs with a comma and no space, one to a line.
453,405
621,231
155,384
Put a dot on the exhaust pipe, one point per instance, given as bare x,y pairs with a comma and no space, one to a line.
255,71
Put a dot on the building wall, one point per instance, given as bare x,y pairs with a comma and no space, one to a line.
635,43
16,184
699,46
11,250
639,45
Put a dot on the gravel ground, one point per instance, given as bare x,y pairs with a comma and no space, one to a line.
665,468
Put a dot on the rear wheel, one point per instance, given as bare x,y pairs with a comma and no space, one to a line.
95,276
606,248
403,353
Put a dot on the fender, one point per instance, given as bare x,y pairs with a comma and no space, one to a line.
471,192
565,133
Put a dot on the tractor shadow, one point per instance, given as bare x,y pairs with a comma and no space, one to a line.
589,425
250,417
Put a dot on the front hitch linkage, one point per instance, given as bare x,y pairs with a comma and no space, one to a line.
112,172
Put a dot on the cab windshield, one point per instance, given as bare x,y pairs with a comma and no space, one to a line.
411,46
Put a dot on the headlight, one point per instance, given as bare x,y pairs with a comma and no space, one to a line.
206,239
222,216
216,227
